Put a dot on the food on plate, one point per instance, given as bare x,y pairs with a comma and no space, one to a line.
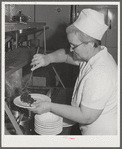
26,97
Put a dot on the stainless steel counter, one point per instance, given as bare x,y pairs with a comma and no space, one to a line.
13,26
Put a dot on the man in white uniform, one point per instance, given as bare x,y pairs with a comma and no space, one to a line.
94,100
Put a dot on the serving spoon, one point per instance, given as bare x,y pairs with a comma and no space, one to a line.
31,75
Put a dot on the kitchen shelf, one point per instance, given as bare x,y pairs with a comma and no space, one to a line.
32,31
11,26
26,32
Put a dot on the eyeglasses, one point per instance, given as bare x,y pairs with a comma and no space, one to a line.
73,48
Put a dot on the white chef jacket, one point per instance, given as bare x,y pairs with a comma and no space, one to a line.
96,88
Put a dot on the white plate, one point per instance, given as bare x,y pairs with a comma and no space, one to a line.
48,130
37,97
48,117
48,133
48,126
52,125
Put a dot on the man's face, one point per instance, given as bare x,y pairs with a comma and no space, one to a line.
81,49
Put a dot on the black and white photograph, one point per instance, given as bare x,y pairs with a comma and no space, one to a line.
60,73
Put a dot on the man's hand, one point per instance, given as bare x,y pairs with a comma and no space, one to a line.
40,60
41,107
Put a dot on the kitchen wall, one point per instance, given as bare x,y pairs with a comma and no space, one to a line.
57,18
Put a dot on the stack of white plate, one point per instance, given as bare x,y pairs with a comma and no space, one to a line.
48,124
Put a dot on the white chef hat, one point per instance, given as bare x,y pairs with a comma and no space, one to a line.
91,22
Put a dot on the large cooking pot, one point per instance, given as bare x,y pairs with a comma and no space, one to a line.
19,17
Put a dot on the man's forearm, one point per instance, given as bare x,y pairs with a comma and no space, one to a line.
69,112
58,56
